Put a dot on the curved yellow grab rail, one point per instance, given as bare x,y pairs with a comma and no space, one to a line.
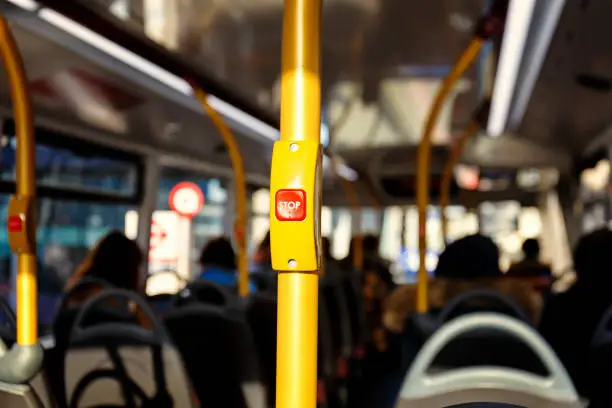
424,155
24,360
486,27
353,199
295,201
447,175
240,223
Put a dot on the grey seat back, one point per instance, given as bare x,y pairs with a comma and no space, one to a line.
90,350
424,389
218,348
261,314
482,347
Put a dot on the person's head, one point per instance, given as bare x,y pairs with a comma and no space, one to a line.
592,259
371,244
218,253
116,259
325,248
473,256
265,242
263,254
531,249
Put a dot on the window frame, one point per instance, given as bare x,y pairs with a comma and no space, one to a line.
79,147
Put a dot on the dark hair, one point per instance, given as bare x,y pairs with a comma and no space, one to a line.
218,252
116,259
325,248
591,258
371,243
265,242
531,248
473,256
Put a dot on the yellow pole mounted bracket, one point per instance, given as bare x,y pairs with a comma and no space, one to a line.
295,201
240,223
25,358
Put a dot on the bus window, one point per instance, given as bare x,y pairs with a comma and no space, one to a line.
85,191
67,163
208,223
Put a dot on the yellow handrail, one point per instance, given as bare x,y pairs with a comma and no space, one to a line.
447,175
374,201
295,200
353,199
424,155
240,223
25,358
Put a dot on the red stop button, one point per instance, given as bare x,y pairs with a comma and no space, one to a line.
290,205
15,224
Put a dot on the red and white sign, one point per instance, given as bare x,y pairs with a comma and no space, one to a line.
290,205
158,235
186,199
165,239
169,248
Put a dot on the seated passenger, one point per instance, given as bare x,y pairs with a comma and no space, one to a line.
377,284
331,267
218,262
530,266
263,257
469,263
569,319
372,261
116,259
262,271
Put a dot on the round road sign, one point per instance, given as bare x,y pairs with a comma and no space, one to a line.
186,199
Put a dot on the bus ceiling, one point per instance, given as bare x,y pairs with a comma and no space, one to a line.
388,61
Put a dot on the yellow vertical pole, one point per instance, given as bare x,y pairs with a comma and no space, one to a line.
22,206
423,159
295,199
240,226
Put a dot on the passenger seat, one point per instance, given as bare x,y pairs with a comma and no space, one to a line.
113,362
218,348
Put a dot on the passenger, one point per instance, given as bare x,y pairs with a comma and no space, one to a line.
469,263
218,263
331,266
384,354
262,271
372,260
569,319
263,256
116,259
326,250
530,266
